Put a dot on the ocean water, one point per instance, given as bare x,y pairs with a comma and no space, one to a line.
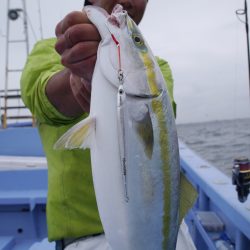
219,142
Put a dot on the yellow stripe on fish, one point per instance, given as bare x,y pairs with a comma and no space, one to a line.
151,76
158,109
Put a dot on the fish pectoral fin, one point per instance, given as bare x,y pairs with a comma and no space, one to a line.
79,136
144,130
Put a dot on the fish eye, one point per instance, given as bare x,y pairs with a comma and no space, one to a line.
138,40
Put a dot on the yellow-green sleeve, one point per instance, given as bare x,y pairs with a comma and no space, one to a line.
166,71
42,63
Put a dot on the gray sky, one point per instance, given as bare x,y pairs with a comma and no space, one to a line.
202,40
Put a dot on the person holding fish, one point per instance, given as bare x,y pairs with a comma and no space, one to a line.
57,86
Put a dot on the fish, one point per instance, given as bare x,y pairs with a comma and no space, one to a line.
132,137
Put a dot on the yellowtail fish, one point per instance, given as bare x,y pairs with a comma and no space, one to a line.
132,136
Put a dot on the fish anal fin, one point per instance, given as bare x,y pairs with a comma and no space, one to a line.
79,136
188,195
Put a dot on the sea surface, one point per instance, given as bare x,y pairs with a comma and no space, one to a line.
219,142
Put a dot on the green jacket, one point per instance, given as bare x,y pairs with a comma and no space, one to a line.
71,205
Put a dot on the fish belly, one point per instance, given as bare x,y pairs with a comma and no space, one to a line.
105,160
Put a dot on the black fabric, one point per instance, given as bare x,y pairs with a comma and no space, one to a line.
62,244
59,245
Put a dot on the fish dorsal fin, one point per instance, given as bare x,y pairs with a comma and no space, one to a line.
98,17
79,136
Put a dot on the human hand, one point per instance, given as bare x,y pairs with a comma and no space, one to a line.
82,91
77,43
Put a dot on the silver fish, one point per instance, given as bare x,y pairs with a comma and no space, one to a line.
132,136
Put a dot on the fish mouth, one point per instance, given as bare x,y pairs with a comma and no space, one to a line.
118,16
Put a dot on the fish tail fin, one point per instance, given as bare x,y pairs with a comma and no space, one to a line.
79,136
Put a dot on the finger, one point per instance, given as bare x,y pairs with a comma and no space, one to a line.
75,17
86,93
81,94
81,51
81,33
87,87
75,34
84,69
85,104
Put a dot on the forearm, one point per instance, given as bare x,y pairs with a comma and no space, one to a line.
59,93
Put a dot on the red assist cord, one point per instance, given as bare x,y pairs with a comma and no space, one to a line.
119,51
